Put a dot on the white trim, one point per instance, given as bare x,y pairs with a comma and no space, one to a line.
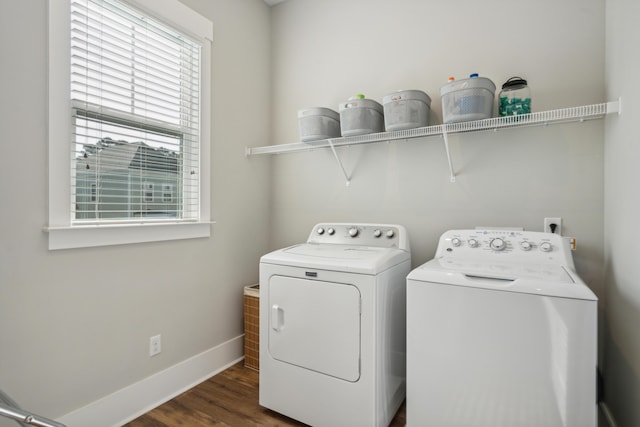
206,105
188,20
108,235
130,402
62,235
59,105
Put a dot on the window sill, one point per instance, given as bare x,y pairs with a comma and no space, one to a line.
123,234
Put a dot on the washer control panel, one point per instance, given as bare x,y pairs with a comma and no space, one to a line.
378,235
505,245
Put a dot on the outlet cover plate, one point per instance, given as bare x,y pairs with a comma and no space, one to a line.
155,345
553,220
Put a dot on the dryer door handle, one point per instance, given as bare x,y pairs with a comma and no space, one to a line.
277,318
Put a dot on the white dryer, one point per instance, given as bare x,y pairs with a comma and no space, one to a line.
501,332
332,325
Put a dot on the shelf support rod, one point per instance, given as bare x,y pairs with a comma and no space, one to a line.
445,135
335,154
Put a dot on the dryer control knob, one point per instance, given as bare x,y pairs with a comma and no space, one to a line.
498,244
377,232
330,231
546,247
473,243
456,242
390,234
353,232
526,246
320,230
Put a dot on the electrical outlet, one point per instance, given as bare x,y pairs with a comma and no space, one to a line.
548,222
155,345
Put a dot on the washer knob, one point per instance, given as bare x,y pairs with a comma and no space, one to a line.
377,232
546,247
320,230
353,232
330,231
390,234
473,243
456,242
498,244
526,246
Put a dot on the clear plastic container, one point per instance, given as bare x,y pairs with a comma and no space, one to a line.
514,98
406,109
467,99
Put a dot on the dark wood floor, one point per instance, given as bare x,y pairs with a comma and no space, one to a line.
227,399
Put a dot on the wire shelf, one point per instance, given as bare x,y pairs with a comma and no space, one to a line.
564,115
542,118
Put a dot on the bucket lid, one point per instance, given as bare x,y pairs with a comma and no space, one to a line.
400,95
514,83
318,111
361,103
470,83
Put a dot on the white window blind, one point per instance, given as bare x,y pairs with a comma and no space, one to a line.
135,96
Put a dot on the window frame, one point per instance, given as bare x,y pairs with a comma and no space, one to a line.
62,233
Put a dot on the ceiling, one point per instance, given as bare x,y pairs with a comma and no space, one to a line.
273,2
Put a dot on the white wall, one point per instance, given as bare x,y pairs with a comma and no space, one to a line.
326,51
622,203
75,324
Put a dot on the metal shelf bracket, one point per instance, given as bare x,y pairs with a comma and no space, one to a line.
445,136
335,154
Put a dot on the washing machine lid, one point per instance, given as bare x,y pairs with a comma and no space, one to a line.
346,258
537,279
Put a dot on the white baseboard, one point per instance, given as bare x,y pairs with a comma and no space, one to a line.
132,401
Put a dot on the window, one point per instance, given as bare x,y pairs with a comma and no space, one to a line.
137,90
148,191
167,193
94,192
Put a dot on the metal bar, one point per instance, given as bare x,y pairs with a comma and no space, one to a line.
6,399
452,175
26,418
344,171
10,409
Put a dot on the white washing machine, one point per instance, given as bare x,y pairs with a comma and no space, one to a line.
332,325
501,332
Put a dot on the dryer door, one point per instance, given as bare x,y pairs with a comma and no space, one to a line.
315,325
